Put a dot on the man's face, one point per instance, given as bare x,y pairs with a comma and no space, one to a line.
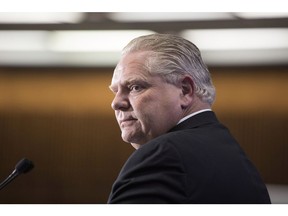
145,105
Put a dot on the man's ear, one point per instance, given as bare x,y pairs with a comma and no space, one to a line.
187,87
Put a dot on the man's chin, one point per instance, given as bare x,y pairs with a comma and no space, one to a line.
133,140
135,145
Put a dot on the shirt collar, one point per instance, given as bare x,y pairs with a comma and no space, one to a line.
193,114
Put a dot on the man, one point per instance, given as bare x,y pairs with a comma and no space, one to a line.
163,98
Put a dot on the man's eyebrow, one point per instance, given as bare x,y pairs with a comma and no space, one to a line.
112,88
135,80
128,82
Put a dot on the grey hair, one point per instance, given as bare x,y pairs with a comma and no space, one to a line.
172,57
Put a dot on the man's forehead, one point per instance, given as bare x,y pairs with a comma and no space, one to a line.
134,69
135,60
131,67
117,72
122,76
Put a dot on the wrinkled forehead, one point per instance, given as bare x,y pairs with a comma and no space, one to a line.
117,71
132,64
126,75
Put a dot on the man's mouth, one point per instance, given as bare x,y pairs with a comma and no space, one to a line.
126,121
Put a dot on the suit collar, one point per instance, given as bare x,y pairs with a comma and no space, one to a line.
207,117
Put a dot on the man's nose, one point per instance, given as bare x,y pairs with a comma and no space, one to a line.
120,102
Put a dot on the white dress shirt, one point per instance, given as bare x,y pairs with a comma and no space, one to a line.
193,114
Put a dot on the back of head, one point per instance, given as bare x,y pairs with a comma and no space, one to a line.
172,57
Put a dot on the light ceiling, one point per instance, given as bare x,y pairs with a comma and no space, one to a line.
96,39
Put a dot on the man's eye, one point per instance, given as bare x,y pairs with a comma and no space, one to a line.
135,88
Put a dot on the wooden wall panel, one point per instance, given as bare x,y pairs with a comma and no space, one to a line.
76,158
62,120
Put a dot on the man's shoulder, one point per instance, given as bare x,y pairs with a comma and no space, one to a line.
158,149
165,141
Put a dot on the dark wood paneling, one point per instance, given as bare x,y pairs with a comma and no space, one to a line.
264,138
76,158
62,120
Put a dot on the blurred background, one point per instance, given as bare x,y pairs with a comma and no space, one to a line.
55,69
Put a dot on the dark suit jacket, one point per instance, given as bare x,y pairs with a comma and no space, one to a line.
198,161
